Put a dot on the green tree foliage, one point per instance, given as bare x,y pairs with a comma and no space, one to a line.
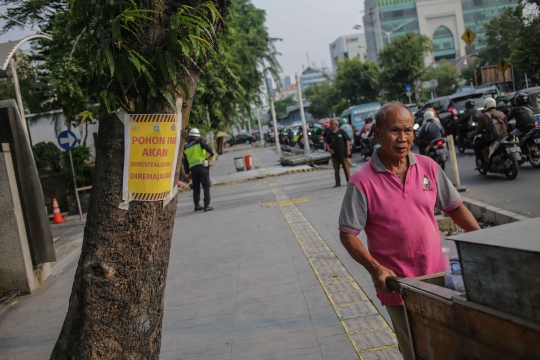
518,42
81,156
402,62
61,80
281,106
356,81
231,83
467,74
47,157
446,75
322,98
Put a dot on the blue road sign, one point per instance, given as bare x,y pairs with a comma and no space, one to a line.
407,88
67,140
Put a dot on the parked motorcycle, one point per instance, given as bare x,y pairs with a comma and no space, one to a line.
438,151
503,157
530,146
463,142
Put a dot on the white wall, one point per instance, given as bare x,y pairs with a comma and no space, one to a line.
42,129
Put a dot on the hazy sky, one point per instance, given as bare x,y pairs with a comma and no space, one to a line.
309,26
306,26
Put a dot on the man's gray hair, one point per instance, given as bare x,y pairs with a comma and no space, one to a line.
334,121
380,116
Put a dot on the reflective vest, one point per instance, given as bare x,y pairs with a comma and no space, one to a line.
195,154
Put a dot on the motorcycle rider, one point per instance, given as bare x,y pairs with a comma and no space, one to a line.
430,131
523,113
490,113
364,133
470,114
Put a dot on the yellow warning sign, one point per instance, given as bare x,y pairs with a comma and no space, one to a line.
468,37
151,154
503,65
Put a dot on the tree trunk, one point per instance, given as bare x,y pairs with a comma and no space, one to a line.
116,304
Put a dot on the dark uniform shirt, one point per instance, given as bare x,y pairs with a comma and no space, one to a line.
338,142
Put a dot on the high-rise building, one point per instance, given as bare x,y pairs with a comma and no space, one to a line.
348,47
312,76
286,81
443,21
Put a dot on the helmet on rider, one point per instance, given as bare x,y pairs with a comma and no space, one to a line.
327,126
469,104
194,132
521,99
315,126
428,115
343,121
489,103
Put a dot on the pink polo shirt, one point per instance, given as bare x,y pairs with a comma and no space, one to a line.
402,233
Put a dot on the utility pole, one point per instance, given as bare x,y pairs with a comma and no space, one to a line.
210,133
261,137
499,38
307,150
276,135
19,99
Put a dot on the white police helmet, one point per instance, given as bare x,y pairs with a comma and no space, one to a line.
489,103
428,115
195,132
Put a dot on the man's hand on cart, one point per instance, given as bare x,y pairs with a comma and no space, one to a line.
379,277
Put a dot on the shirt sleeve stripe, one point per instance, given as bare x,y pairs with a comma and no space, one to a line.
454,207
349,231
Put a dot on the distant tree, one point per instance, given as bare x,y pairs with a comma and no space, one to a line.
519,43
467,74
322,98
281,106
402,62
233,82
356,81
447,76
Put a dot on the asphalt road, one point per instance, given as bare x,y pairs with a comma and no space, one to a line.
521,195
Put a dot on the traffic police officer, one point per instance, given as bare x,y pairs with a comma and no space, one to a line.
196,165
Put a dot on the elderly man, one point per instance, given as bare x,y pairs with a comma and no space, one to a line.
338,144
393,198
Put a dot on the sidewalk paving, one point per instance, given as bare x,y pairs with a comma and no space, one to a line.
239,284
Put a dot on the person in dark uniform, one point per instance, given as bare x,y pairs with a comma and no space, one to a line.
196,166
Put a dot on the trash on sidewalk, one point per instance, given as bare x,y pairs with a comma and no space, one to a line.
239,163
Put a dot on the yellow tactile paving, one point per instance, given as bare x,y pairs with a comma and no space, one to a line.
368,331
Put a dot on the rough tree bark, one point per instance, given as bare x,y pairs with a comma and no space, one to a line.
116,304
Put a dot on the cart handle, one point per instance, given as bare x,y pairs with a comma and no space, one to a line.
393,284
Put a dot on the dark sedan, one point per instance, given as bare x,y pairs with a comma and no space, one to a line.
241,139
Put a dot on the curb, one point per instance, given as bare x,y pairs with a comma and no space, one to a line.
303,170
491,213
269,176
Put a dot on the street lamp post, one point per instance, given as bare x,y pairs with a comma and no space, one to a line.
387,33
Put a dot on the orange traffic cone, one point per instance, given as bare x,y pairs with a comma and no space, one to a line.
57,217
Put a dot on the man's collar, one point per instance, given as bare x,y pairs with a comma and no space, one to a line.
378,166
